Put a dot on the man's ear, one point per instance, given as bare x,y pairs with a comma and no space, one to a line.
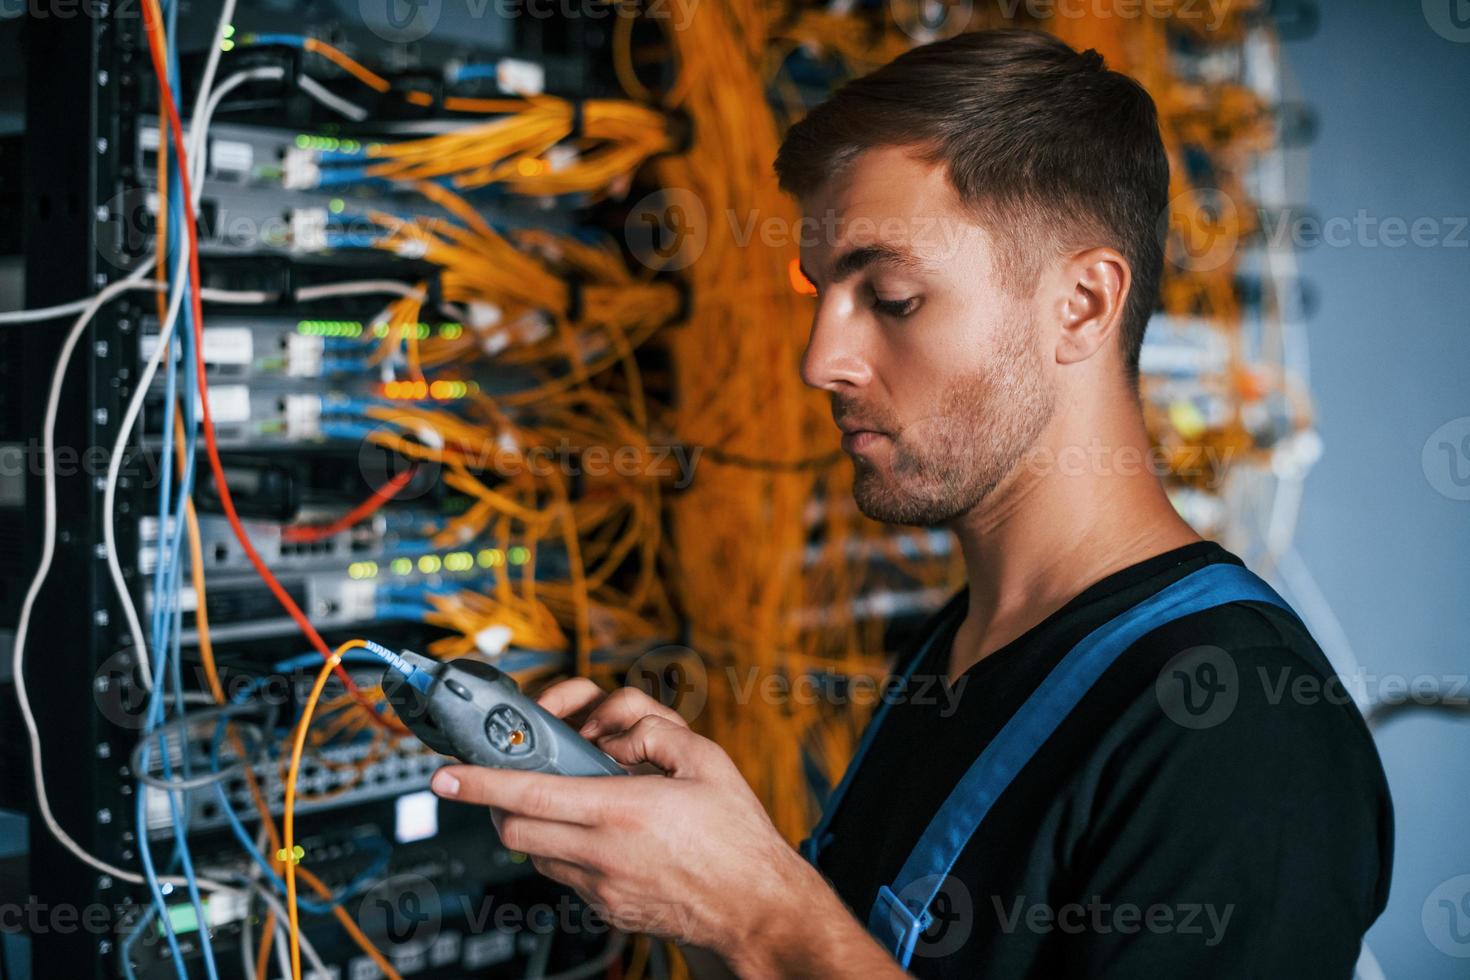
1097,282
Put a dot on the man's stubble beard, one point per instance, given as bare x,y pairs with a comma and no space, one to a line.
942,467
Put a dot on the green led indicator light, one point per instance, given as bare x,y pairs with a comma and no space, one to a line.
329,328
519,555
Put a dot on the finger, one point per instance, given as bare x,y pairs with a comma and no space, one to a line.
571,799
546,838
574,876
570,698
673,748
623,709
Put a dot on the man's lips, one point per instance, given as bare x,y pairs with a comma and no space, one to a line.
854,441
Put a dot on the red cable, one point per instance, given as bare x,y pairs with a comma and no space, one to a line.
364,510
176,129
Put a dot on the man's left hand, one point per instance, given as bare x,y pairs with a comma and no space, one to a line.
689,854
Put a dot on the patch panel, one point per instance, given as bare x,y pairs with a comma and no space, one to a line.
255,416
265,193
287,352
335,777
366,593
391,546
381,538
293,382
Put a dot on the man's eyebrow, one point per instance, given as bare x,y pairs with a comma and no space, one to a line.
860,258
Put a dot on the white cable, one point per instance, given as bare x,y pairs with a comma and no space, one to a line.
43,568
282,944
200,123
247,942
430,127
331,99
247,938
247,945
1308,599
87,309
196,166
114,471
202,100
131,284
241,296
48,549
47,312
307,950
210,295
359,288
204,104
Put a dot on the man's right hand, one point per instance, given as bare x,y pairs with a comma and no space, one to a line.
598,714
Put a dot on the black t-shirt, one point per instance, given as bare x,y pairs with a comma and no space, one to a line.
1214,806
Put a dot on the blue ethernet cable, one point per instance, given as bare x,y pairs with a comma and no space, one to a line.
472,73
132,938
159,601
166,652
275,40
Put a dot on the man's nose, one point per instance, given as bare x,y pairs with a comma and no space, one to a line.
834,357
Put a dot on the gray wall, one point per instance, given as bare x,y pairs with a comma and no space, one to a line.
1380,529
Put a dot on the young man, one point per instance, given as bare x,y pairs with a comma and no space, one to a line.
1146,771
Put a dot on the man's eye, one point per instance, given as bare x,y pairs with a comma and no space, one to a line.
896,307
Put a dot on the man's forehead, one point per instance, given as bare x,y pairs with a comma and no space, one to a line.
882,183
887,200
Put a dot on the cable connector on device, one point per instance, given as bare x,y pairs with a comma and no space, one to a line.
413,666
300,169
309,229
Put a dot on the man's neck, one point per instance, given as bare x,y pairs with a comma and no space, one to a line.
1063,520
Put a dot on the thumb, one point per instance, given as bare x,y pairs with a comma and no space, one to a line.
670,747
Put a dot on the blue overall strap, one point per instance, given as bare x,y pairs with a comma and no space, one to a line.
900,912
821,836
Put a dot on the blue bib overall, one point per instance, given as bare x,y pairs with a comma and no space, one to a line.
900,913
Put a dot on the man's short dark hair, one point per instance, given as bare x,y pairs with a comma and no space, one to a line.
1049,149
